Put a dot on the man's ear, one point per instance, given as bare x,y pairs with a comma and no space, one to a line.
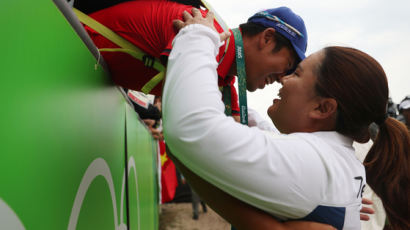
324,108
267,37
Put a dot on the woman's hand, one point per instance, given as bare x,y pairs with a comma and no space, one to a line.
196,18
366,210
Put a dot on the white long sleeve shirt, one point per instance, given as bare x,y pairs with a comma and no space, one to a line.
312,176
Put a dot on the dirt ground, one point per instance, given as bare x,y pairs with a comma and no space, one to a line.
178,216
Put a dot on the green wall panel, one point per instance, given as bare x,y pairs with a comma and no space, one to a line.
143,182
62,130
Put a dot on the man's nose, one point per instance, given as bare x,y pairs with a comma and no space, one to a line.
279,77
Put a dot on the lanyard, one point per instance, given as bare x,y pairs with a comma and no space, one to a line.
241,73
125,47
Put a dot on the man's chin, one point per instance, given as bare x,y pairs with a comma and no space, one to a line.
254,88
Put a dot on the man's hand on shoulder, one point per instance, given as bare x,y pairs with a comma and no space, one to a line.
196,18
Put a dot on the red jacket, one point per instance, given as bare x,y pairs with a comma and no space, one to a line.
148,25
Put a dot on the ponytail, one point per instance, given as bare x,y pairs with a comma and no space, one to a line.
387,171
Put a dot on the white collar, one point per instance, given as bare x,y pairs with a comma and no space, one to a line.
333,136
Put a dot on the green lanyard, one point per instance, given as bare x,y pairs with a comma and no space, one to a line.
241,73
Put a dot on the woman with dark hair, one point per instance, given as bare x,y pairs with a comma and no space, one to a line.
309,172
364,102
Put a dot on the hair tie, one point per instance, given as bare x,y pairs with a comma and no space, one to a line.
381,120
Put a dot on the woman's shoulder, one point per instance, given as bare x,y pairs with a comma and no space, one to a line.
324,163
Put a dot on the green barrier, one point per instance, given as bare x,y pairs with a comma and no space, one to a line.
143,184
67,134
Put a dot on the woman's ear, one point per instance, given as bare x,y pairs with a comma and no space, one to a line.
325,108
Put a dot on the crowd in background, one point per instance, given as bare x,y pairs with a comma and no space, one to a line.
400,111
